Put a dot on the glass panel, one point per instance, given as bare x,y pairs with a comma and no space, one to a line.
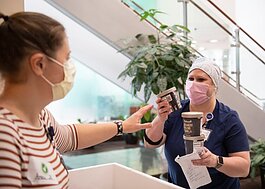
144,4
252,76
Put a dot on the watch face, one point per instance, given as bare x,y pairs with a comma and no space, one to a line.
220,160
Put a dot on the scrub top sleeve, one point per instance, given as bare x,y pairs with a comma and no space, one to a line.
168,123
236,139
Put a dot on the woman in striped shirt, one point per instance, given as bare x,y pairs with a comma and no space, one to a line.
36,69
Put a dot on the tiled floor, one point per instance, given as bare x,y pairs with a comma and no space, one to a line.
149,161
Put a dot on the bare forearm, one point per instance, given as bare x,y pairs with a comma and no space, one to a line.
235,166
92,134
156,131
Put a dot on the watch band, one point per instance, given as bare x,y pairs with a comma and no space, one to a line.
220,162
119,128
150,141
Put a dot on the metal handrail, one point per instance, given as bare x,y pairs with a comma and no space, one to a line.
230,78
219,24
229,18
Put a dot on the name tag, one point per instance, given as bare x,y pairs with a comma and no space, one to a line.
40,172
206,133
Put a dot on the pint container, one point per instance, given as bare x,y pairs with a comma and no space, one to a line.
172,97
192,123
194,144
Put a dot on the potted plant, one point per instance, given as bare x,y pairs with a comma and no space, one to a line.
257,151
159,61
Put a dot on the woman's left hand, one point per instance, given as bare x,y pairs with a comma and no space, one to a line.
208,159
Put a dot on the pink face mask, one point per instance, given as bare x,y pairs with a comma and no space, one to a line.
197,92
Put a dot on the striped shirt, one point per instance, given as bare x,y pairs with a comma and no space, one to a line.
28,159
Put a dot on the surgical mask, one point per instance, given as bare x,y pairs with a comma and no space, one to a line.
60,90
197,92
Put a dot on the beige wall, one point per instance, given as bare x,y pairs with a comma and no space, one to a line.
8,7
11,6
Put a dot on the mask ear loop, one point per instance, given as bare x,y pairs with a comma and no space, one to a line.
55,61
216,89
214,93
47,80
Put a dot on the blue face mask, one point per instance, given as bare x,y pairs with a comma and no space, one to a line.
61,89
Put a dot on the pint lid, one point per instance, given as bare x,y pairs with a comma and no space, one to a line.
192,114
172,89
194,138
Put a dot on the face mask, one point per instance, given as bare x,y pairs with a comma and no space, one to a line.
197,92
60,90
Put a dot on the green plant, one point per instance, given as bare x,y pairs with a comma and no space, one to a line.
159,61
257,151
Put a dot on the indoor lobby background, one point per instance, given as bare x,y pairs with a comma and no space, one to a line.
96,29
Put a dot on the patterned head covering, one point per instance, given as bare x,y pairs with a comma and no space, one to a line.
209,67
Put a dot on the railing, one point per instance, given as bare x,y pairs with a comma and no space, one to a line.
240,28
230,33
250,58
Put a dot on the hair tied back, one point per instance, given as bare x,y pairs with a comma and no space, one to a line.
4,17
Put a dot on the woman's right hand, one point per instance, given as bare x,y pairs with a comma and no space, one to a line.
163,109
156,132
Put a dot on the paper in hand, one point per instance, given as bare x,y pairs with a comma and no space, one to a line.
196,175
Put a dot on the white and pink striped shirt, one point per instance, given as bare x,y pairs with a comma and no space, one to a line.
28,159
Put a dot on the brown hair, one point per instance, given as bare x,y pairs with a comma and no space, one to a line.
24,33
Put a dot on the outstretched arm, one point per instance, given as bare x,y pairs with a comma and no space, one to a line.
92,134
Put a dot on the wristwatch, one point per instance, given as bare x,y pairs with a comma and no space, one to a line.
220,162
119,128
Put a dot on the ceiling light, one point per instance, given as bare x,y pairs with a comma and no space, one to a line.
213,41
